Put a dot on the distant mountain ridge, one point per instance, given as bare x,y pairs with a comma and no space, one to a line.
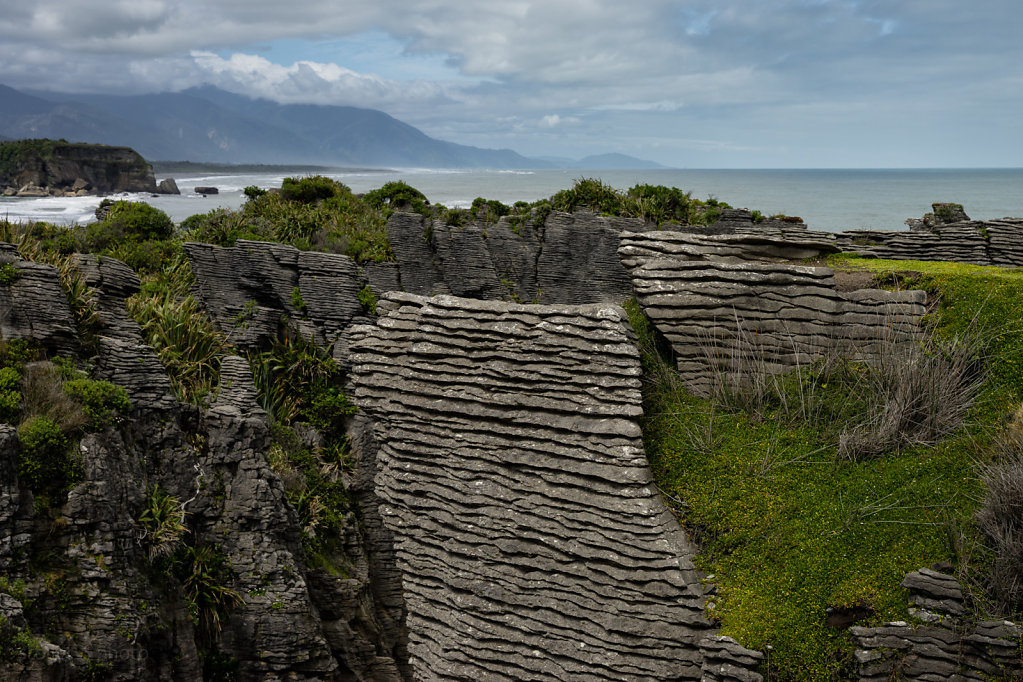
214,126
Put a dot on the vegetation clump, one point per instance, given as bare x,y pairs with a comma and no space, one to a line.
312,213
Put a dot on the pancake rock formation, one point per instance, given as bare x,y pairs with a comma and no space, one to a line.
530,536
721,316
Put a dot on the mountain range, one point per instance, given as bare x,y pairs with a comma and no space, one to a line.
214,126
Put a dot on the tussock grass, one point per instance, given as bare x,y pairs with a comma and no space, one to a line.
187,343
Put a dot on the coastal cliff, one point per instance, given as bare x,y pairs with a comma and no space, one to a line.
61,168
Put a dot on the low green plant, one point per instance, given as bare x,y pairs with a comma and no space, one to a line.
787,526
163,525
310,189
488,211
18,644
10,394
397,195
9,274
253,192
297,301
103,403
45,461
368,299
205,574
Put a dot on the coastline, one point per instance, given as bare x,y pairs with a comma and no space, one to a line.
831,200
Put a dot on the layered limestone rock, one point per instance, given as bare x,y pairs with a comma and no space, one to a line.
123,358
529,533
943,646
95,600
32,304
723,317
253,290
570,258
991,242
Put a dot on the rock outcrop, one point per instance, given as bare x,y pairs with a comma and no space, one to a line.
81,573
254,289
32,304
941,645
990,242
722,317
570,258
60,167
531,539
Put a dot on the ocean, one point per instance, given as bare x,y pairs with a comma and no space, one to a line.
831,200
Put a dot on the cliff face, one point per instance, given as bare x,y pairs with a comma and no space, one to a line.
65,167
83,572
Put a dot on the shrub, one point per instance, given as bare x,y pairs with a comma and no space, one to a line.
368,299
915,395
9,273
397,196
102,402
138,220
163,524
45,463
43,395
310,189
253,192
1000,519
81,299
488,211
10,394
205,573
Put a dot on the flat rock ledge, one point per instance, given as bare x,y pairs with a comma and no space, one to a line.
724,318
532,541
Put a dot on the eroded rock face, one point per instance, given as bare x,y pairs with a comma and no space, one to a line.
69,167
571,258
254,289
943,645
93,589
32,304
723,316
530,536
991,242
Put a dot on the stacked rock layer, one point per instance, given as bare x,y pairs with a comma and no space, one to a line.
727,319
529,532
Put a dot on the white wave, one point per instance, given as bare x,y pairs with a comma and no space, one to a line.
58,210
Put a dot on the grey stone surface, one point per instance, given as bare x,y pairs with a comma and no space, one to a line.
531,539
992,242
944,647
123,358
722,317
254,289
33,305
571,258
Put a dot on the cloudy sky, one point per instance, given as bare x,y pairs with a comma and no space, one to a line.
687,83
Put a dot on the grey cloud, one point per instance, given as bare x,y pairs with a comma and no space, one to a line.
682,71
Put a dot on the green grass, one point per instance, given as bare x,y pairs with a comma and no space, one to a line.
788,529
